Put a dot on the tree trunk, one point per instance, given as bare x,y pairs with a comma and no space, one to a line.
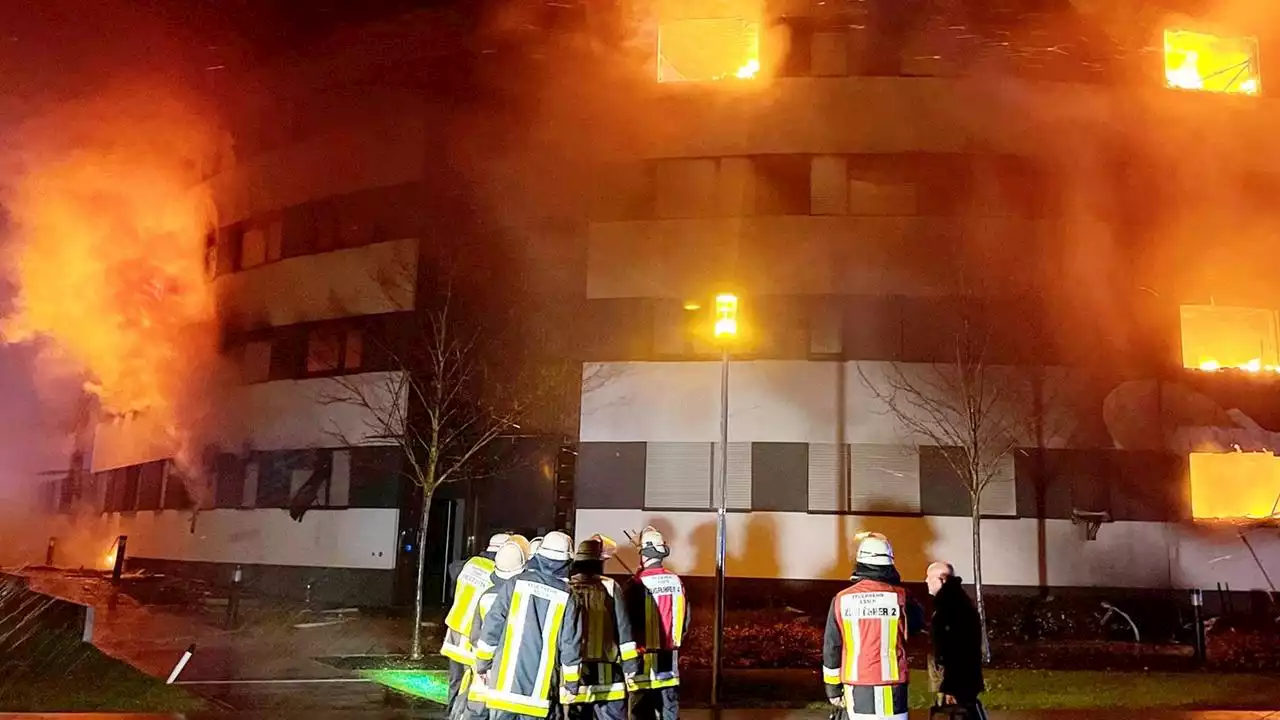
976,508
419,596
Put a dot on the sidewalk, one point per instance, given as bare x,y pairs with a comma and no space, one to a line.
153,638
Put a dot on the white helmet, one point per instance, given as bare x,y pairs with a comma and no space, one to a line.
874,550
556,546
509,560
535,545
496,540
523,542
651,538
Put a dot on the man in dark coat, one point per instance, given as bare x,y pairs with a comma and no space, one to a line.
956,662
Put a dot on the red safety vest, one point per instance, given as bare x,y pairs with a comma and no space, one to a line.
664,611
872,616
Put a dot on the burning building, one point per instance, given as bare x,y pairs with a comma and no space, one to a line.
882,185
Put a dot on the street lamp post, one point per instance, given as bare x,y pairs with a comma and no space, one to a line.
726,329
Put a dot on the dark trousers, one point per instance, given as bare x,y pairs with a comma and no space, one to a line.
456,671
965,708
660,704
607,710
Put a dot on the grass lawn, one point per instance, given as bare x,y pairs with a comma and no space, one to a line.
1020,690
86,680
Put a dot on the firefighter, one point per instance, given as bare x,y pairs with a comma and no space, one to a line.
509,562
531,631
864,657
608,650
660,618
471,579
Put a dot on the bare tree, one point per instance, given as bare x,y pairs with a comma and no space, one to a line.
440,406
975,410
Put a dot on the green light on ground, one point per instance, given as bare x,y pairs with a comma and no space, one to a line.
432,685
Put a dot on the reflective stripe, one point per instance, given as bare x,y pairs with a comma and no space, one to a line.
852,639
520,704
885,643
628,651
457,654
570,673
890,642
475,578
677,621
511,640
485,651
830,676
550,647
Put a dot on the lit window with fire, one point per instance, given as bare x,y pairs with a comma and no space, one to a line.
1216,337
1199,61
708,49
1234,485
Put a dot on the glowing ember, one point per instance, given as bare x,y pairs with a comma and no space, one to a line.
1198,61
109,560
110,222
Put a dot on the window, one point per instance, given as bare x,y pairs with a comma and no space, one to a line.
1199,61
702,49
128,488
176,495
1215,337
826,327
278,473
779,474
1000,495
686,188
375,476
884,479
781,184
332,350
274,240
827,466
228,473
253,248
677,476
255,366
150,485
1234,485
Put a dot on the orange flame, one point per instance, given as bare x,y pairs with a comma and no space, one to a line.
109,232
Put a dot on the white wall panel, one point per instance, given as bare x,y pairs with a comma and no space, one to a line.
769,401
132,440
366,280
388,152
280,415
802,546
350,538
